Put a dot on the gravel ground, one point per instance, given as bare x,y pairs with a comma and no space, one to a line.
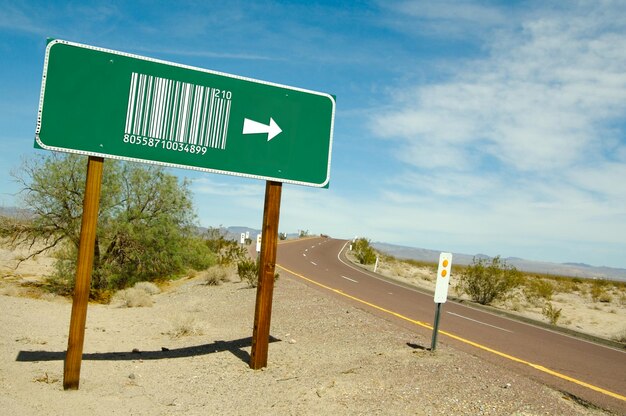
191,352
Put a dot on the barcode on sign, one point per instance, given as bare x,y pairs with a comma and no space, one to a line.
177,111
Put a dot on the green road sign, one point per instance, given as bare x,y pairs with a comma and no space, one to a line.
106,103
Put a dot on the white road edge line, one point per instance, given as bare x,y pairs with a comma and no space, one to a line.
479,322
347,278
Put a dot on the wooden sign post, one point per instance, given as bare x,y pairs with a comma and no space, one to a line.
127,122
91,202
267,265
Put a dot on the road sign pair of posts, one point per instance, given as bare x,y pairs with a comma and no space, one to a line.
109,104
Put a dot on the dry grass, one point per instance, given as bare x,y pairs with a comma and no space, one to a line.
46,378
138,296
183,326
216,275
133,298
621,337
148,287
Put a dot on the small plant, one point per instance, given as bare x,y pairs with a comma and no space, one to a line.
621,337
303,233
216,275
248,271
599,292
46,378
538,288
133,298
148,287
227,251
486,282
184,326
551,313
282,236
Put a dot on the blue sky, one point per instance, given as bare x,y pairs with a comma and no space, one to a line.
467,126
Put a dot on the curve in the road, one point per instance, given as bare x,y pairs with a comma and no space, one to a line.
458,338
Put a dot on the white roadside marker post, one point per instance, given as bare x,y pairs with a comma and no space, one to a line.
441,291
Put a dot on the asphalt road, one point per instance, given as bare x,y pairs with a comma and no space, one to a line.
585,370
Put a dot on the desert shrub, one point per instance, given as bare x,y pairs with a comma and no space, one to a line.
183,326
363,251
485,282
516,305
551,313
216,275
599,292
148,287
568,286
538,288
227,251
133,298
248,271
621,337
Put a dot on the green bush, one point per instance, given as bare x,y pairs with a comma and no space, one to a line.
551,313
227,251
145,230
248,271
538,288
486,281
599,292
363,251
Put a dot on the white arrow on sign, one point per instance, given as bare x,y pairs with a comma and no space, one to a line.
254,127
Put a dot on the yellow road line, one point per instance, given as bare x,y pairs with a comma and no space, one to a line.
466,341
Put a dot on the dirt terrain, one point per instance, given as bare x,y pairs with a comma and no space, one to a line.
188,353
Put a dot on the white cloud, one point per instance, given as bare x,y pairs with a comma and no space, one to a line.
209,185
524,144
538,103
445,18
12,18
209,54
456,11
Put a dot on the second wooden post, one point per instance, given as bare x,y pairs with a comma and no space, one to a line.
267,266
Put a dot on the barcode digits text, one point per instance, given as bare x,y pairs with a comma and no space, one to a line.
177,111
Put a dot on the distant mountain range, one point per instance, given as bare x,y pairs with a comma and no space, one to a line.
421,254
563,269
14,212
